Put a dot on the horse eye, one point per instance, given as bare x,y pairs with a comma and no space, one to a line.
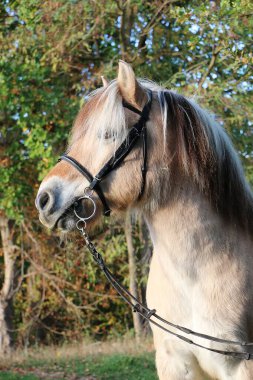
106,135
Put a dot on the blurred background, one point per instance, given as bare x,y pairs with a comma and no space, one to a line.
52,55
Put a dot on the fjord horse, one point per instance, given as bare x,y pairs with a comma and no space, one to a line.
198,208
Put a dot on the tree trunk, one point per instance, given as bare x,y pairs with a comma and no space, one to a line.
146,254
132,274
6,292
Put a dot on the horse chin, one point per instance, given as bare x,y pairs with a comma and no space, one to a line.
66,224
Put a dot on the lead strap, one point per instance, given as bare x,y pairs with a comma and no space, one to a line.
150,314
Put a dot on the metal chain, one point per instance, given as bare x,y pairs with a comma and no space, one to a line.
95,254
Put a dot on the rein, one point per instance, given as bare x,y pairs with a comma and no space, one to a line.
136,132
150,314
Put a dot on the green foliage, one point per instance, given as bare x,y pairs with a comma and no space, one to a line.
15,376
52,55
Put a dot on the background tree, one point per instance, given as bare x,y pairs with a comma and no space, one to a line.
52,56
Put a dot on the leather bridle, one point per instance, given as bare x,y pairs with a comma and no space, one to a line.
136,132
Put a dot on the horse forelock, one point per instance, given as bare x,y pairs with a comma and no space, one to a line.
102,115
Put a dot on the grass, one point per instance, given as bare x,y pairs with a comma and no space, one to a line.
119,360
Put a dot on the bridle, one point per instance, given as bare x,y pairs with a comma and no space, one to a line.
138,131
135,133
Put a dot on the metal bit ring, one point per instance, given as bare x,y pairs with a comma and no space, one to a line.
81,225
93,211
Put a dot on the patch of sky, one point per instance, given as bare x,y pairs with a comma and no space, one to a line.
195,76
227,71
212,26
138,28
189,59
165,23
143,21
238,46
194,28
242,70
44,113
16,116
245,86
86,97
133,36
149,40
177,61
107,37
135,42
10,11
205,84
194,18
118,21
84,70
220,29
83,91
164,42
25,114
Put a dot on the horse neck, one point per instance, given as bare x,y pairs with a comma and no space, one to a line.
188,235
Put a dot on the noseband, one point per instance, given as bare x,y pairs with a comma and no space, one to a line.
138,131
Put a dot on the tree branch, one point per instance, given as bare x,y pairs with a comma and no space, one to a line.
215,53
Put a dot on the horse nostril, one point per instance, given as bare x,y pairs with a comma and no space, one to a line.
43,200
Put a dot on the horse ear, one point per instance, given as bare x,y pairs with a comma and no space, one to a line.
104,81
132,91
